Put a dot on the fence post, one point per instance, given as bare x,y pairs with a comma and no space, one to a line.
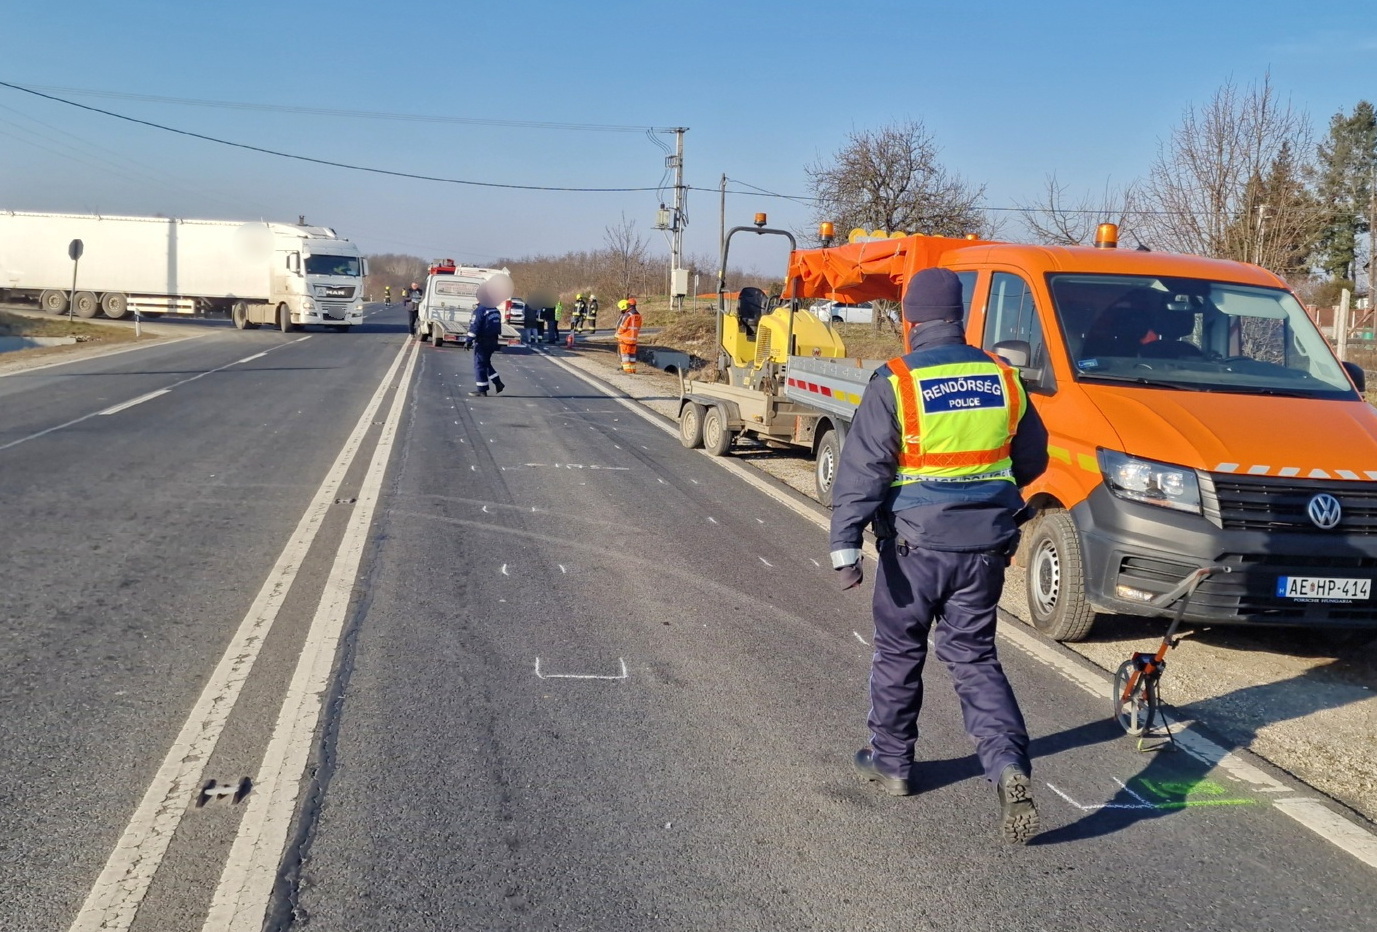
1341,325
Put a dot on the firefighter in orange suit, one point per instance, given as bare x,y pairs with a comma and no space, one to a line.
628,332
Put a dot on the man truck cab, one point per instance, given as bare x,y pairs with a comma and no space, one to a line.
1196,416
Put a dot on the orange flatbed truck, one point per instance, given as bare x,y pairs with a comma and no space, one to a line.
1196,417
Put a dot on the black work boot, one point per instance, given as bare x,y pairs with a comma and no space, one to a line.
1018,815
865,766
478,392
497,383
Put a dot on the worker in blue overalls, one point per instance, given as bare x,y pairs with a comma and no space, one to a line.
942,442
485,332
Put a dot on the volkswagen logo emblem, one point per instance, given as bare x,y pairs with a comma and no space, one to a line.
1324,510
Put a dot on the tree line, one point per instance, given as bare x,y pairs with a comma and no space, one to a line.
1240,177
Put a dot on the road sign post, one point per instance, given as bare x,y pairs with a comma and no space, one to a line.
74,251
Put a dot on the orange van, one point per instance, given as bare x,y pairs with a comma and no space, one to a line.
1196,416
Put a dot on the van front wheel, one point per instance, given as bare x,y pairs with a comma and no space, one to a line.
1056,579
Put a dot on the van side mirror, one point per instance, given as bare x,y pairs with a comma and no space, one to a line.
1356,373
1019,354
1016,353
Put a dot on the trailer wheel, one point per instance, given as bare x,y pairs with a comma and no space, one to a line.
717,437
53,301
1056,579
240,315
284,319
114,304
691,425
85,305
825,467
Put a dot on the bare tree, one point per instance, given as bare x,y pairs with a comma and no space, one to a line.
1058,220
1226,182
628,250
891,180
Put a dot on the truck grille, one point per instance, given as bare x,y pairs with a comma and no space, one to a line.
1269,503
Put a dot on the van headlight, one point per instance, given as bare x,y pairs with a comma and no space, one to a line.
1151,482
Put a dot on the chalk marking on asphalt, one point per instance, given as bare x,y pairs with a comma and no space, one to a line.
859,638
816,563
576,676
711,519
561,568
116,409
246,884
504,566
766,562
1094,683
485,509
118,892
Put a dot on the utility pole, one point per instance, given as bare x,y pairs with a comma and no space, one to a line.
678,278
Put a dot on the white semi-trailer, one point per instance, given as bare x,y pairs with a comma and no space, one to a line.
280,274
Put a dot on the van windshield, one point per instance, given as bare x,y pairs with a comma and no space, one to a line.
1194,334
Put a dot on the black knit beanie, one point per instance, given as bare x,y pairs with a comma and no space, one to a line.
933,294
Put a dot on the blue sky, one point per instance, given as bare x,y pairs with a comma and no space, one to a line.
1011,92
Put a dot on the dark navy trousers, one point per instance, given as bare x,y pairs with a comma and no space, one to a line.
482,364
958,592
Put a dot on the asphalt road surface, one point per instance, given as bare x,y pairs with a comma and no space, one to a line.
520,662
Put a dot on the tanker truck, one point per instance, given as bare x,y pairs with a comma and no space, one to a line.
284,275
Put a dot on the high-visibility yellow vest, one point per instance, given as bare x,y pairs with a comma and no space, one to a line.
956,420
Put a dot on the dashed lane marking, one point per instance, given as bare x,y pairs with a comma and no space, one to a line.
116,409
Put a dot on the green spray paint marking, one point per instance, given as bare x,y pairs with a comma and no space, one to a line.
1184,794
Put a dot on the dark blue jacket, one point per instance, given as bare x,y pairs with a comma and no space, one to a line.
957,516
485,326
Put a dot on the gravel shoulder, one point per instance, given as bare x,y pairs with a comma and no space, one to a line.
1298,702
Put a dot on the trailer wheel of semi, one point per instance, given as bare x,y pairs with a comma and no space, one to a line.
1056,579
84,304
717,435
53,301
691,424
114,304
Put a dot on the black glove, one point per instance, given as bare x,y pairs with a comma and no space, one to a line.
851,576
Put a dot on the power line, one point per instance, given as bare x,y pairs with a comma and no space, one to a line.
314,161
351,114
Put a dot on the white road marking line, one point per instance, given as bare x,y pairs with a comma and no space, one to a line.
116,895
133,401
859,638
1094,683
245,887
574,676
1333,828
253,357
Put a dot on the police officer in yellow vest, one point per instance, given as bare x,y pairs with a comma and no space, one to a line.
942,441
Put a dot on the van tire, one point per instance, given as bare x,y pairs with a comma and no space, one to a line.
825,466
1056,579
717,436
691,424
